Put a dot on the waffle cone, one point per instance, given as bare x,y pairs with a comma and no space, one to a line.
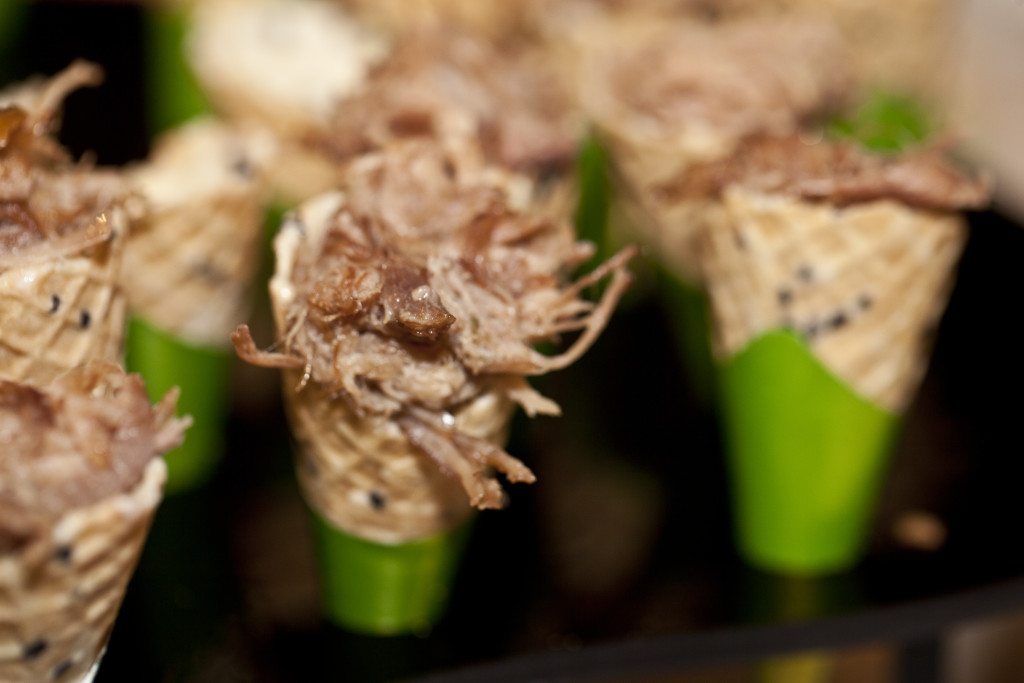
190,261
362,474
864,285
60,596
62,304
359,472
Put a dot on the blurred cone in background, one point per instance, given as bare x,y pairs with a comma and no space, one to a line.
189,269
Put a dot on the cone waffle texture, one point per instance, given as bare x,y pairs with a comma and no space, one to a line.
190,261
361,473
864,285
364,476
59,598
58,310
277,62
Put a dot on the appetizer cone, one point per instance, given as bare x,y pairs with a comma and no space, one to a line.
666,94
827,270
188,270
64,225
81,479
406,308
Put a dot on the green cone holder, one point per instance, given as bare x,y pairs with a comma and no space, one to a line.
386,590
594,200
806,455
12,14
688,311
203,375
173,95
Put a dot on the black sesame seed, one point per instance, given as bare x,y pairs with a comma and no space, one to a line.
35,648
864,301
805,273
741,243
54,303
62,554
838,320
84,319
61,669
242,167
377,500
449,169
811,331
785,296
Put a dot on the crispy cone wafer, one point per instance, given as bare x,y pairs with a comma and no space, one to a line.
62,304
865,284
191,258
80,479
64,225
58,601
365,477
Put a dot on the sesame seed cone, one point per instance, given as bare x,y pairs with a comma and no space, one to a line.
64,228
80,479
827,269
362,473
864,285
61,303
390,524
407,308
192,256
366,478
822,319
189,269
58,602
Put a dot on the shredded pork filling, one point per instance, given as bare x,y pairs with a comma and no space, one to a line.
47,202
87,436
740,76
443,82
428,291
840,173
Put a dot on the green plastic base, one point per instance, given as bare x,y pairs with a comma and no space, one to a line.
807,457
386,590
594,200
203,375
173,95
